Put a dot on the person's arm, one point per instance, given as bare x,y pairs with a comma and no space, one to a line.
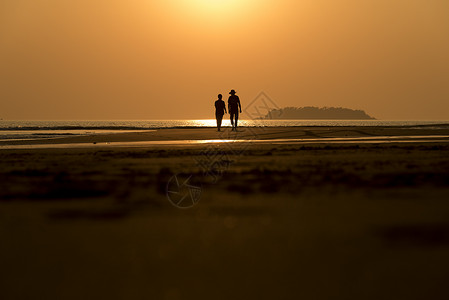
224,106
239,105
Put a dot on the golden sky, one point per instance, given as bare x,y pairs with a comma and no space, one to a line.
163,59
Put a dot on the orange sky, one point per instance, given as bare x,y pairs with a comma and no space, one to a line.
163,59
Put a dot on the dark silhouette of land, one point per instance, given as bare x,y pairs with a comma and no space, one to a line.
317,113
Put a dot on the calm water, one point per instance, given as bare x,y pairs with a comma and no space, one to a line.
53,129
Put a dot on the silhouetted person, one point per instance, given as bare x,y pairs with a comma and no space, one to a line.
234,107
220,110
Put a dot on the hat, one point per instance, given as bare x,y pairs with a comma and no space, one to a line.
232,92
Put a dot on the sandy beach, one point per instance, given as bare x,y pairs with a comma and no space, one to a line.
264,213
309,134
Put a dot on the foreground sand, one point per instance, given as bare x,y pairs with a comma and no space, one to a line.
274,221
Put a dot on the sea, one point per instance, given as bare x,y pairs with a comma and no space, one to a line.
27,130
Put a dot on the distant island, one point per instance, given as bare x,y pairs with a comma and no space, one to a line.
317,113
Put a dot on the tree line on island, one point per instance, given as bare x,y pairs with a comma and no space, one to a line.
317,113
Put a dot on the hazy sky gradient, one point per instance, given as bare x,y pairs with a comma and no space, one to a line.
163,59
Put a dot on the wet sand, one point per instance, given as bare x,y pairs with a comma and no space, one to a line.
259,133
316,220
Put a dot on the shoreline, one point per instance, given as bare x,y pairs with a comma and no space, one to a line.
309,134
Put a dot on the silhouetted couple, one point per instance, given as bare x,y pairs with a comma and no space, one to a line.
233,106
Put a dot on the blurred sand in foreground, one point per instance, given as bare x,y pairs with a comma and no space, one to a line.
274,220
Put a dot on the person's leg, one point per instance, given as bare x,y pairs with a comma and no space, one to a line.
219,120
231,113
236,119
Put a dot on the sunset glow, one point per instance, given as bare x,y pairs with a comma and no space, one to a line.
170,59
213,14
216,6
224,149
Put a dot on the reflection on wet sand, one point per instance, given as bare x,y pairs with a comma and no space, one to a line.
362,140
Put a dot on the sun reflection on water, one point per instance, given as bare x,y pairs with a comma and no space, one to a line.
205,123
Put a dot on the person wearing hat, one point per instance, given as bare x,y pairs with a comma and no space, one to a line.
234,107
220,110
